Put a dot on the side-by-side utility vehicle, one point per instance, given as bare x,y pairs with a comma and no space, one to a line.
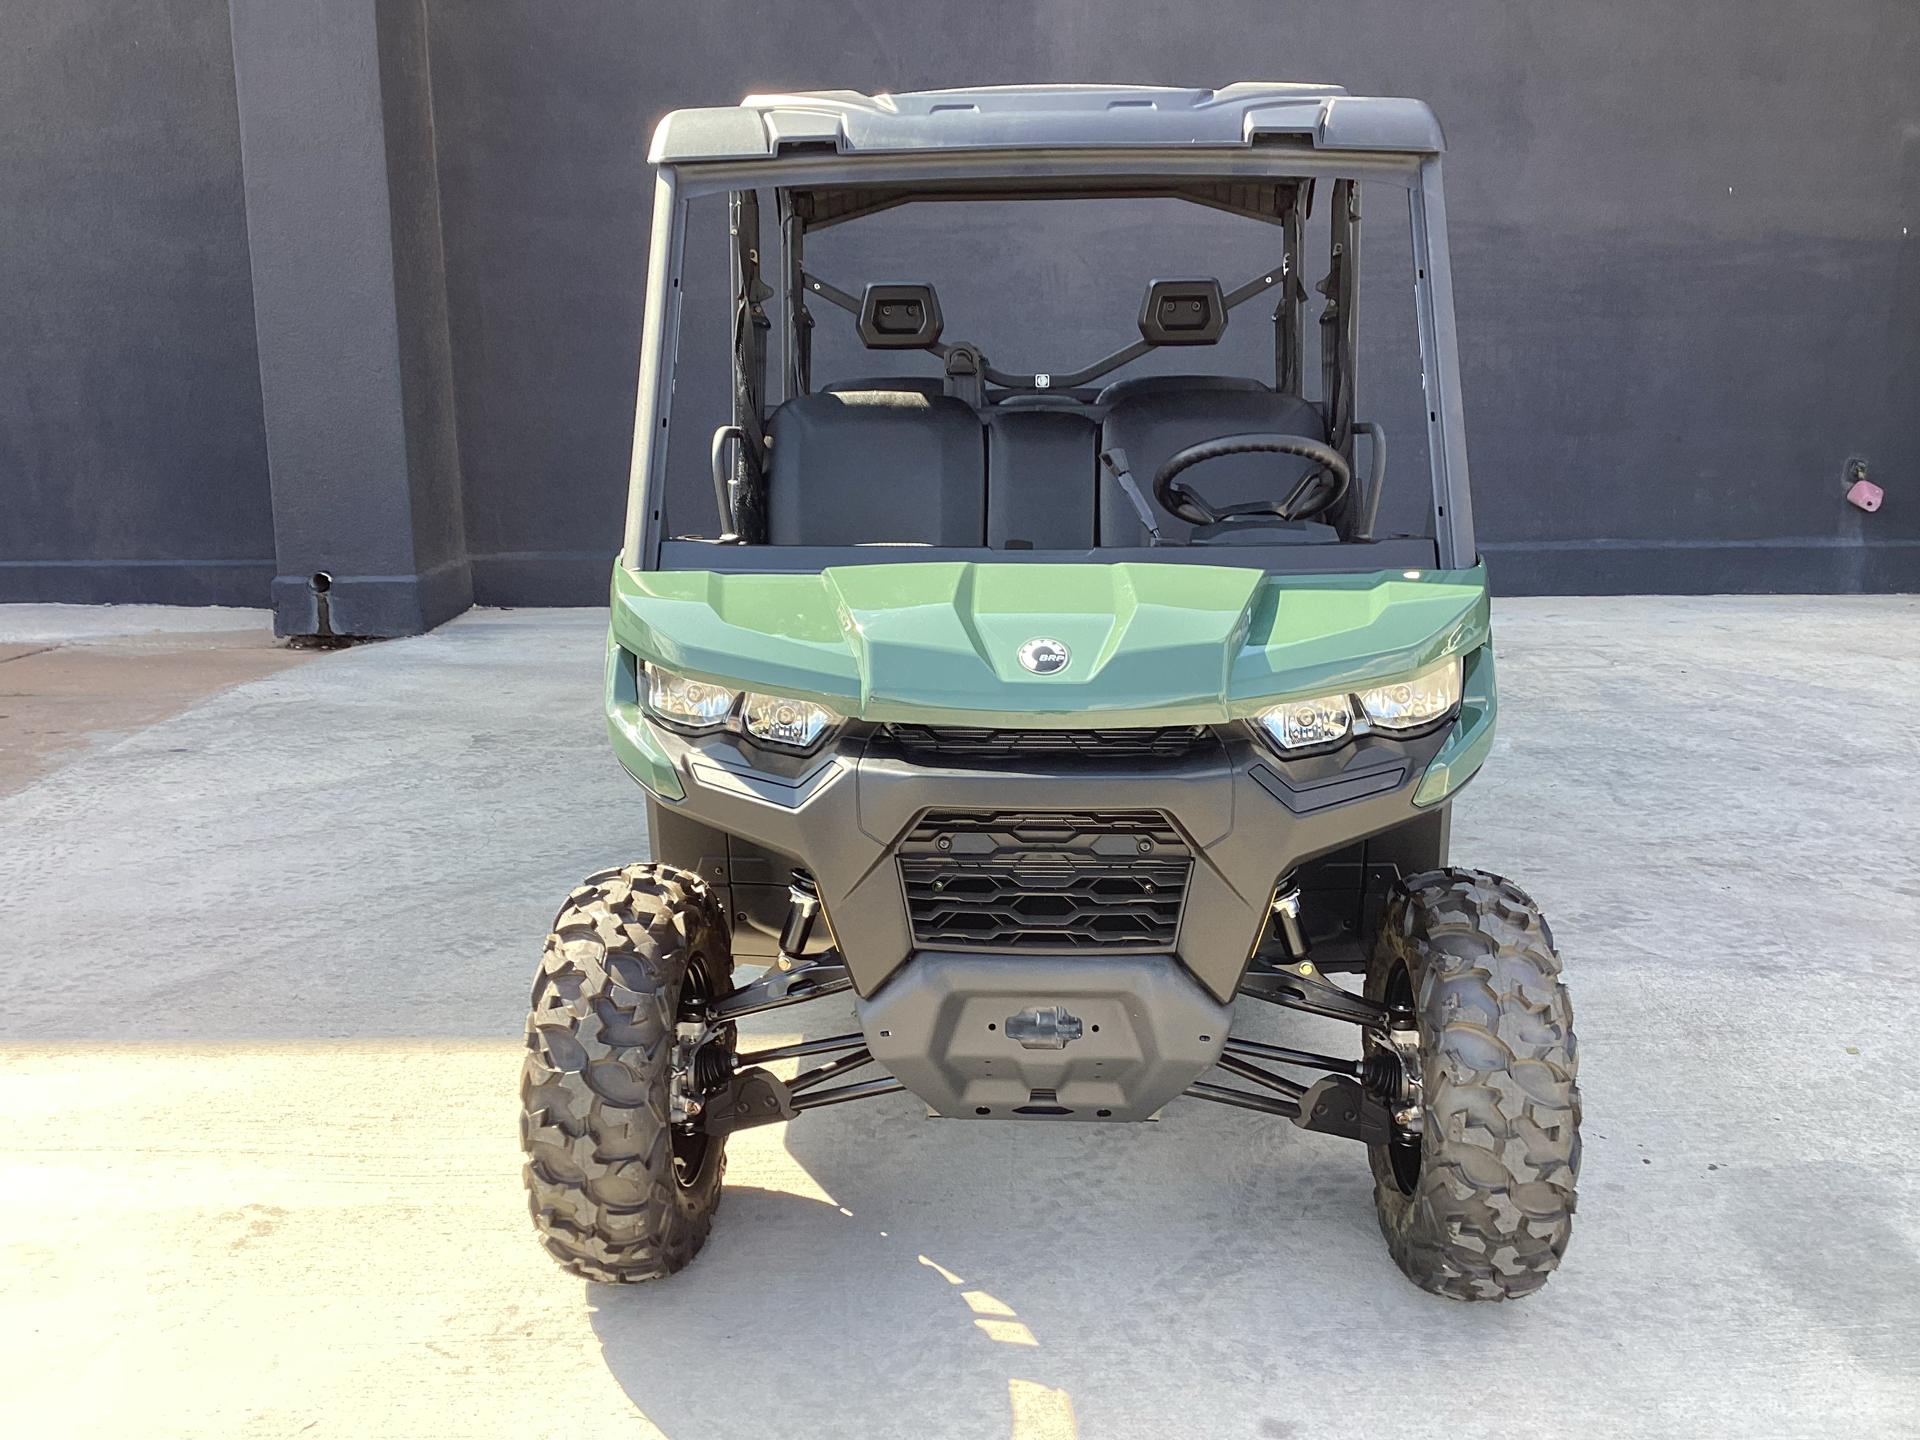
1047,705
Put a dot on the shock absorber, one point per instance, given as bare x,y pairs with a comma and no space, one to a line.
803,906
1286,919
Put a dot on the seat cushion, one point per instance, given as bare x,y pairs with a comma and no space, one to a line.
1154,423
1041,478
876,467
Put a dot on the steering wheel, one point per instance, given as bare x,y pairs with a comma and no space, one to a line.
1319,489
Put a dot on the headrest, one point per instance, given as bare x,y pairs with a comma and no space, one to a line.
1183,312
899,317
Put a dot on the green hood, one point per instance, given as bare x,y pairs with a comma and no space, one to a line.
1150,644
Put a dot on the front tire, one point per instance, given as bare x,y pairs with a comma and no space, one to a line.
620,1193
1478,1204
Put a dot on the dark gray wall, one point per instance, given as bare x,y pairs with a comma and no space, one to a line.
1687,259
132,458
1684,290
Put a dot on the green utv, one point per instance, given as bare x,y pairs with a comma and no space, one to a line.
1052,710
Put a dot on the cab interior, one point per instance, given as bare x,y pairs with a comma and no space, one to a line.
1039,465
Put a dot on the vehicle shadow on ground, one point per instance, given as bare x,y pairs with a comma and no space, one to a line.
985,1280
800,1320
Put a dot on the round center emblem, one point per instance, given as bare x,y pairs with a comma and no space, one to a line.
1044,656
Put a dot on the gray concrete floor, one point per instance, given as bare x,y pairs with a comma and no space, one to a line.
266,965
75,677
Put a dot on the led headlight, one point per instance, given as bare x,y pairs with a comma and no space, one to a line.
782,720
1419,700
1306,724
687,704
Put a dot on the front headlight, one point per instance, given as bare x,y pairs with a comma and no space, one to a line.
1417,701
1421,700
696,707
687,704
1308,724
781,720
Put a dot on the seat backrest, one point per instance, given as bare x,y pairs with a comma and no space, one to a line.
1154,422
1138,385
1041,478
1077,399
876,466
918,384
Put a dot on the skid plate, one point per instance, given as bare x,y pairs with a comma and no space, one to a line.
1018,1036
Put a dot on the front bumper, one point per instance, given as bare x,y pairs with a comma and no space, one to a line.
1044,1037
1245,817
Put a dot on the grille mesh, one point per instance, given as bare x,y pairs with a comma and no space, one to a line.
1045,880
961,742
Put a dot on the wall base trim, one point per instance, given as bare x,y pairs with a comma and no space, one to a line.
1802,565
381,606
543,577
136,582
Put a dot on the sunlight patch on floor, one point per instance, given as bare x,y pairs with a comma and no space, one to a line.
1040,1413
268,1239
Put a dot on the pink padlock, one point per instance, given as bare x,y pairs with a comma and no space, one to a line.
1866,495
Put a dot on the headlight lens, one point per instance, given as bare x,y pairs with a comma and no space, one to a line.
1420,700
696,706
1304,724
1411,704
689,704
782,720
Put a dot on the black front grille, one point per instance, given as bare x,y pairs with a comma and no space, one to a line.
1045,880
962,742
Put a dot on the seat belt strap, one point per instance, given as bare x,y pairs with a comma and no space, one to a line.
1115,462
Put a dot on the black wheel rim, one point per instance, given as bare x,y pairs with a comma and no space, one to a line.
1403,1151
691,1142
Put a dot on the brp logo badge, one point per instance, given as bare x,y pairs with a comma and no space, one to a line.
1043,656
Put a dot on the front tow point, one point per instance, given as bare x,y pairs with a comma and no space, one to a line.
1045,1027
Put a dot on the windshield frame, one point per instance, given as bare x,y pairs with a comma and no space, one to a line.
677,185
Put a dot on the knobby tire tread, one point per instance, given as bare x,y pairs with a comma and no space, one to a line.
594,1087
1492,1208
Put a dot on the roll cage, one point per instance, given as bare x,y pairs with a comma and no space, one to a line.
814,188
